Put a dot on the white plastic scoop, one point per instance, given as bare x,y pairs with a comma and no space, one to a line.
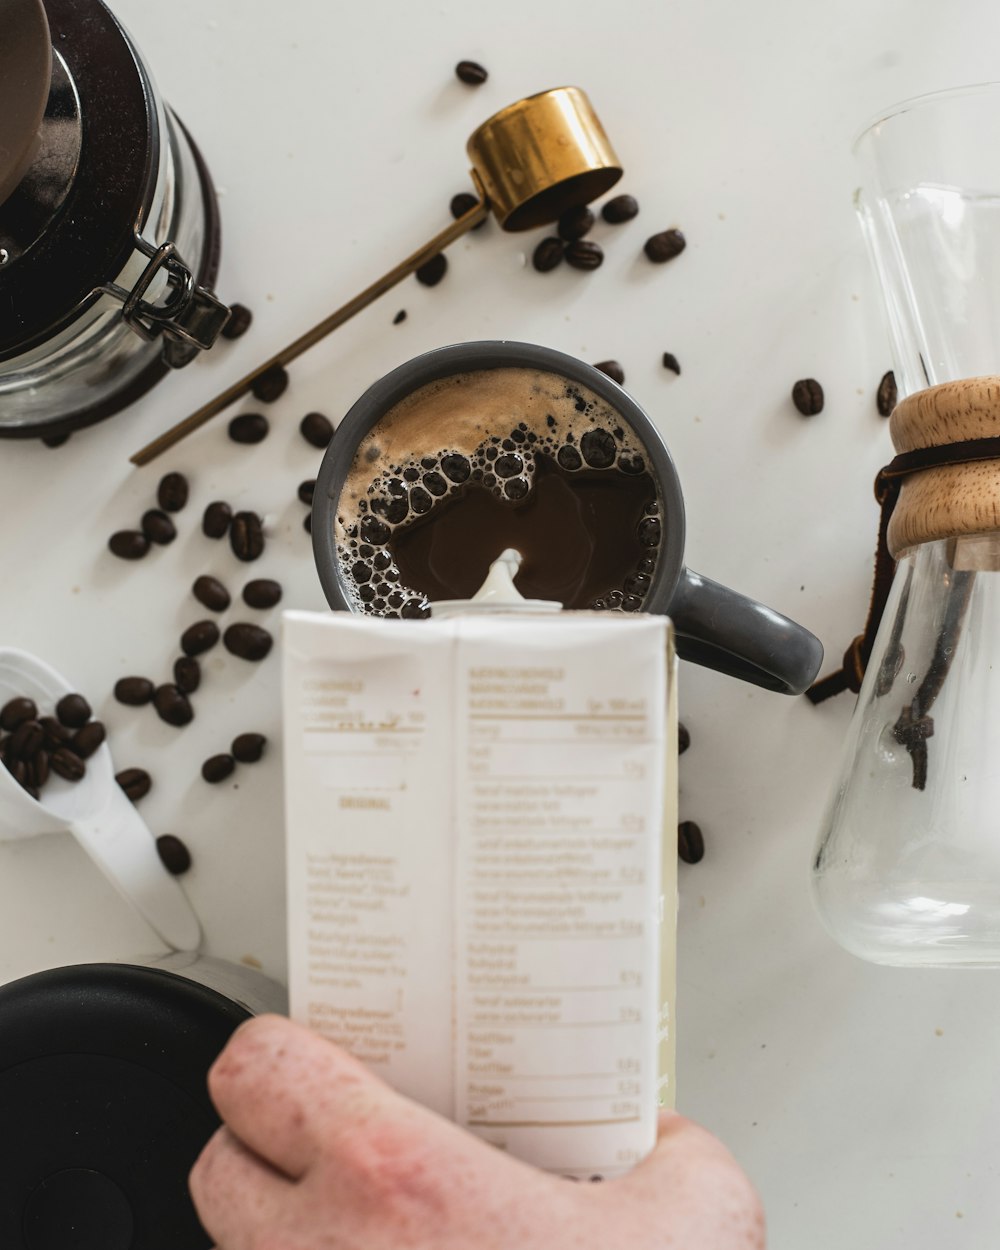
96,811
497,593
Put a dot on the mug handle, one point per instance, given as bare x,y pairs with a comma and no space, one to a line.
724,630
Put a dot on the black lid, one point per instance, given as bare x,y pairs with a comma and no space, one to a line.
104,1106
90,240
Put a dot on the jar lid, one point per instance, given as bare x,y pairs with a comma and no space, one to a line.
25,72
89,240
104,1106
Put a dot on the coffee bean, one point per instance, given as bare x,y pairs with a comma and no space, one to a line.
249,427
248,642
584,255
239,321
548,254
807,396
246,536
683,738
620,208
575,223
613,369
248,748
471,73
599,449
432,271
16,711
128,544
262,592
670,362
134,691
307,523
211,592
172,705
172,492
306,490
664,246
73,710
88,739
36,770
158,527
55,440
200,637
461,204
316,429
216,520
174,855
56,735
270,385
218,768
690,843
400,317
187,674
885,400
67,764
136,783
26,740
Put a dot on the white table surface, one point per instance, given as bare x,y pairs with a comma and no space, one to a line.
862,1101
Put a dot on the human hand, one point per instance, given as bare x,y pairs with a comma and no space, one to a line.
316,1153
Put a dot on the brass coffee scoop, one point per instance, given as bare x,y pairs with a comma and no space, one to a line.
530,163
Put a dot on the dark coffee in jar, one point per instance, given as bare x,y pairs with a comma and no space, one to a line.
474,463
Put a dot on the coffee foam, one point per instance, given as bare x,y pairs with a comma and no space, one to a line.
471,415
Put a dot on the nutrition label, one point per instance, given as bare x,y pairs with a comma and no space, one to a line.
559,811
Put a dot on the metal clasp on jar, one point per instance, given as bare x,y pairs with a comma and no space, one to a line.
189,318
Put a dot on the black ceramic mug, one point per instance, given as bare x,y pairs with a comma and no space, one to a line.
715,626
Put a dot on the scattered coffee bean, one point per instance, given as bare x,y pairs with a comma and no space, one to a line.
187,674
671,362
216,520
262,592
249,427
683,738
270,385
462,203
73,711
239,321
575,223
211,592
664,246
174,855
307,523
172,492
246,536
620,208
200,637
248,642
548,254
471,73
67,764
55,440
86,740
17,770
16,711
584,255
807,396
690,843
26,740
432,271
136,783
400,317
248,748
128,544
134,691
218,768
158,527
172,705
613,369
37,770
886,397
316,429
56,735
306,490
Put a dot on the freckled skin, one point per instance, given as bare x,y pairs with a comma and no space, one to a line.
318,1154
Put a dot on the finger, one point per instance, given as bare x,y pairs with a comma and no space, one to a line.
282,1088
236,1193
